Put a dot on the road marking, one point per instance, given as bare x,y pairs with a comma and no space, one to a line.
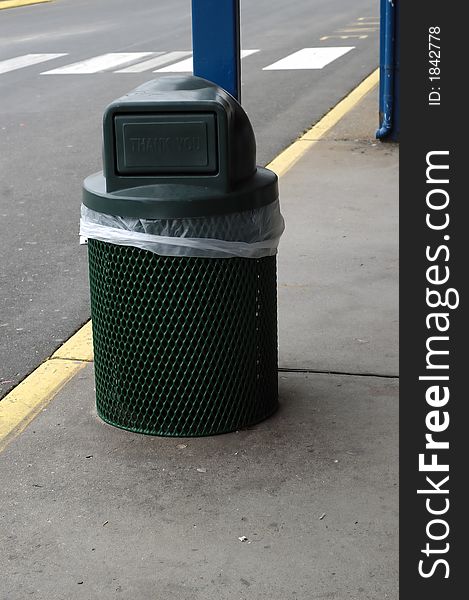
357,30
97,64
25,402
18,3
343,37
309,58
170,62
158,61
369,20
27,60
186,66
291,155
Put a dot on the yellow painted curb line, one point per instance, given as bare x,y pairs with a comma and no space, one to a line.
293,153
78,347
17,3
32,395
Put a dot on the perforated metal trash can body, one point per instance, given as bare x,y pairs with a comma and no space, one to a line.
183,346
182,230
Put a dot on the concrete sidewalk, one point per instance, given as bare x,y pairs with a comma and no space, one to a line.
90,511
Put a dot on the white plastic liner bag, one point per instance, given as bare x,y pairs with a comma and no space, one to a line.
252,233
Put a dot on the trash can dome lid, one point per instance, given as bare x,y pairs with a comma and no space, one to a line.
178,200
178,145
173,127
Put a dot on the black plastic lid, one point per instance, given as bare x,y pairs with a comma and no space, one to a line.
174,147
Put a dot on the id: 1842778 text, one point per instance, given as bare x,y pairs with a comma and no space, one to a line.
434,70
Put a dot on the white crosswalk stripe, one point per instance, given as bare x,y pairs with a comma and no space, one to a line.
186,66
163,59
27,60
177,61
97,64
309,58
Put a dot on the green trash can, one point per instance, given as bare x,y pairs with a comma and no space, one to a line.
182,231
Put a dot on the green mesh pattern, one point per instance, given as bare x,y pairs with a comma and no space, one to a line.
183,346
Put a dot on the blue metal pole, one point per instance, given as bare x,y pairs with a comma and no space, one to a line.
386,96
215,43
396,117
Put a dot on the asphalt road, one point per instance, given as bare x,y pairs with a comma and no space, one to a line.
50,130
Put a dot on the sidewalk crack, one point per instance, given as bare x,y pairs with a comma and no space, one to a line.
347,373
